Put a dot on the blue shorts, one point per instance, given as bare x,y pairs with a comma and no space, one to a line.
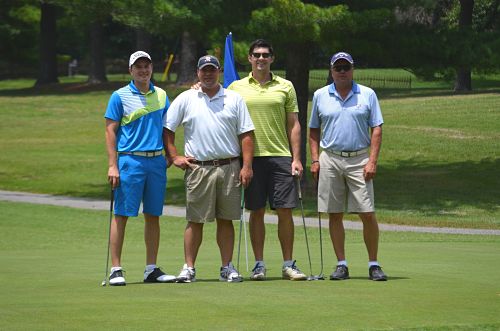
141,179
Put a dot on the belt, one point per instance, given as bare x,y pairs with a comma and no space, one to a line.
216,163
350,153
145,154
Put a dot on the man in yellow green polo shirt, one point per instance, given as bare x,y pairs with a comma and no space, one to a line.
272,103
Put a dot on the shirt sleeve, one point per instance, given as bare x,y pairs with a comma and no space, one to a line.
114,111
245,123
175,114
314,121
375,112
291,105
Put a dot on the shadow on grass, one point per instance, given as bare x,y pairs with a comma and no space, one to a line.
435,188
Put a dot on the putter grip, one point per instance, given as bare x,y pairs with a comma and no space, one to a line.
299,189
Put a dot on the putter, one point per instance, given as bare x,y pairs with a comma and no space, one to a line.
311,276
112,197
242,226
320,276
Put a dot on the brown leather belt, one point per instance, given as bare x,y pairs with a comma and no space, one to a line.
215,163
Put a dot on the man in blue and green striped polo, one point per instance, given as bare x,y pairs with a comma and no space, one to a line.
137,167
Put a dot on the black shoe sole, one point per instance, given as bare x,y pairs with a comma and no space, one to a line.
118,284
378,279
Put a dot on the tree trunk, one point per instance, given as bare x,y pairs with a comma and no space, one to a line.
187,65
297,71
463,81
48,52
97,68
142,40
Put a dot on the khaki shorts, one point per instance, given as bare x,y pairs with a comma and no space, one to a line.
341,181
213,192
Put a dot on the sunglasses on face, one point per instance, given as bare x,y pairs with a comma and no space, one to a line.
342,67
263,55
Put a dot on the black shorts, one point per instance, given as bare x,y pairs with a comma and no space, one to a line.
272,180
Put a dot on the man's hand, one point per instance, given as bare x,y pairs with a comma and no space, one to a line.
246,175
297,168
196,86
113,176
183,162
315,170
370,170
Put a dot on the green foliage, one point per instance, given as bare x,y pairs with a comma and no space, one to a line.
288,19
19,27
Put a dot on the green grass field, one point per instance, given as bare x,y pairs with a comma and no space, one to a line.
437,166
53,262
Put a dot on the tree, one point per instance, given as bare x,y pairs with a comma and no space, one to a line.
19,35
48,51
463,82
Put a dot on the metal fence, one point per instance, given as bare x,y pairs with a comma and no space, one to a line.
318,80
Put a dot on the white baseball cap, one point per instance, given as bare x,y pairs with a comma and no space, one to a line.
136,56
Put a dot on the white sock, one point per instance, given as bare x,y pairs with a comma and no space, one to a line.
113,269
342,262
372,263
287,263
260,263
149,268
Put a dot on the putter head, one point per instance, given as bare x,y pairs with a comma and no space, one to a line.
103,283
319,277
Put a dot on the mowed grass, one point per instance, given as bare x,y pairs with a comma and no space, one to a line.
53,262
438,164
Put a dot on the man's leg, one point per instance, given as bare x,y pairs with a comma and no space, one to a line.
225,240
257,233
193,236
151,237
337,234
370,234
116,237
286,232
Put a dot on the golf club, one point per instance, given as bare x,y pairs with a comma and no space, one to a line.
242,226
299,189
311,276
112,197
320,276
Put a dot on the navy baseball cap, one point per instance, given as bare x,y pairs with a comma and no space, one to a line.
208,60
340,56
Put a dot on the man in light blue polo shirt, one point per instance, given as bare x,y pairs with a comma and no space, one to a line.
346,122
137,168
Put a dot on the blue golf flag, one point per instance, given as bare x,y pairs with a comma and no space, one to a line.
230,73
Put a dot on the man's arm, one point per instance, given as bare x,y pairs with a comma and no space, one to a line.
293,133
171,151
314,137
113,173
376,141
247,149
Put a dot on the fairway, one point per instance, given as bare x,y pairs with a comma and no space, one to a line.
53,261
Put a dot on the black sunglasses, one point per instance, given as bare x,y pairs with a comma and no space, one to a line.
259,55
342,67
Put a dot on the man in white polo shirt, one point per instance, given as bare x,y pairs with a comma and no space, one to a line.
217,129
347,122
